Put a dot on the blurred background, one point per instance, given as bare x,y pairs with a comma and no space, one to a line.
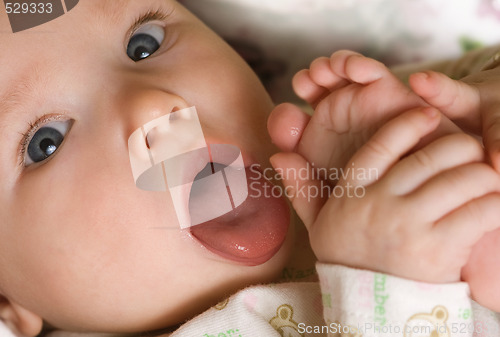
280,37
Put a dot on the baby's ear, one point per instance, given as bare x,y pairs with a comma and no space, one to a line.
20,321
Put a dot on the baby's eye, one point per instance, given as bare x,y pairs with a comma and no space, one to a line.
145,41
46,141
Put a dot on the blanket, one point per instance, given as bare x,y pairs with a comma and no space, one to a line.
280,37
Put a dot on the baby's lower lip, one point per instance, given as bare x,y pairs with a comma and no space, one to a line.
253,232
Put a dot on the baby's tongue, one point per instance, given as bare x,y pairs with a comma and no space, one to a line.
251,233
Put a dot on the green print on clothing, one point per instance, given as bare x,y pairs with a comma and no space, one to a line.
464,313
380,298
228,333
327,300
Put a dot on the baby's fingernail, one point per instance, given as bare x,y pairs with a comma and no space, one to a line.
430,112
424,75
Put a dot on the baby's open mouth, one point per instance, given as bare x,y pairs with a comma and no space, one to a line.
222,202
254,231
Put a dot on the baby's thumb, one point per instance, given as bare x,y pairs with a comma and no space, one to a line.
286,125
304,192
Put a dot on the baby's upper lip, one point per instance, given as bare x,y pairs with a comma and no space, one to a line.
248,159
188,165
195,161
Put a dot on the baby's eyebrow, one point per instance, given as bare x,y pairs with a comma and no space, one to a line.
26,87
111,10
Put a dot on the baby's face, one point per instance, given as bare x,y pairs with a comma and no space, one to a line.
80,244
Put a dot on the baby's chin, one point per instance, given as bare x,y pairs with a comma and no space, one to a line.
482,271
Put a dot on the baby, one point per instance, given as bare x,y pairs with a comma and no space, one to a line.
85,255
95,255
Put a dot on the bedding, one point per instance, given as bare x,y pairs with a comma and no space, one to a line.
280,37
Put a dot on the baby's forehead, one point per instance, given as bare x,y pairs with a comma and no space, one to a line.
4,23
61,38
88,21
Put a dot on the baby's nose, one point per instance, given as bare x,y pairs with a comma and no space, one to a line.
142,106
160,126
170,135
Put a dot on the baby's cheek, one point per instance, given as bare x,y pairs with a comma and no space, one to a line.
482,271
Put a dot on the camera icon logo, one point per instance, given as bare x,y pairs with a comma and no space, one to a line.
26,14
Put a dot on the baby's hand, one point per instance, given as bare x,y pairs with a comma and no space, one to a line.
353,96
416,217
472,102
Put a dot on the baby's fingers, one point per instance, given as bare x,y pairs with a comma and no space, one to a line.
307,89
328,74
461,102
453,188
443,154
466,225
286,125
390,143
455,99
306,195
